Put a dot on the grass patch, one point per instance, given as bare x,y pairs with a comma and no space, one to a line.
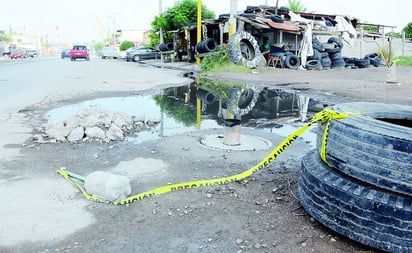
403,60
230,67
219,61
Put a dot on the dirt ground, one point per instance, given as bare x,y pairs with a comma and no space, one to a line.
260,214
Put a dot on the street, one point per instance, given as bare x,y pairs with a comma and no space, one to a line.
50,80
41,212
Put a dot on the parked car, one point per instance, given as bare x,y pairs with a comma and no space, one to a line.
66,53
109,52
18,54
32,53
140,53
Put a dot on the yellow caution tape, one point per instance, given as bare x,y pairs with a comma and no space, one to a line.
321,117
326,133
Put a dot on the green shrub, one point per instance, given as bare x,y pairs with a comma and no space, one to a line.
126,45
219,61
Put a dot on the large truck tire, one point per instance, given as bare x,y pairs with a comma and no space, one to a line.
361,212
375,147
235,49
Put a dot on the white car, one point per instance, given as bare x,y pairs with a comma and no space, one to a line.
109,52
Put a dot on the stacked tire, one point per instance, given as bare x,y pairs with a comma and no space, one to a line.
363,188
372,59
334,49
314,62
290,60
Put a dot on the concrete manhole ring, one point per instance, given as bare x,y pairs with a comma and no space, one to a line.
247,143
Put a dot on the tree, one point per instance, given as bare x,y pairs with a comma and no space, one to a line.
408,30
181,14
296,6
98,46
4,37
126,45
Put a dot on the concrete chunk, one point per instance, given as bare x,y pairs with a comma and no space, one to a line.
109,186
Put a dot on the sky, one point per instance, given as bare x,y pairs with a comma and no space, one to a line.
78,20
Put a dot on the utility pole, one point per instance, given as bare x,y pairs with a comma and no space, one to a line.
161,32
232,19
199,25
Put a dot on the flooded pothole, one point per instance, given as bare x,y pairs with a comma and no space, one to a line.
188,108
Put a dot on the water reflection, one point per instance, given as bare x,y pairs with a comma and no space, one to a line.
176,107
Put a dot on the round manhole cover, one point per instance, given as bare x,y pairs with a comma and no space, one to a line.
247,143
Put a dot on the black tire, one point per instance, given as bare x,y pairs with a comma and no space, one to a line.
338,64
377,62
313,65
372,56
324,55
277,18
235,52
206,46
241,106
326,62
362,63
166,47
317,45
336,56
336,41
245,98
248,15
291,61
316,55
205,96
366,214
375,148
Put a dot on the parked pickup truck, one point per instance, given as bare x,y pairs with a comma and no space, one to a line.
79,52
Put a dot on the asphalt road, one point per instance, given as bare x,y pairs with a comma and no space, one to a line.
50,80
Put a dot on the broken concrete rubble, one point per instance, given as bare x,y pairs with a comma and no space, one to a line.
93,123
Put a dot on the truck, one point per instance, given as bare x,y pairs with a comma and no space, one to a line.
79,52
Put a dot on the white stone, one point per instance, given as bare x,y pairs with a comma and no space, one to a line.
114,133
76,134
109,186
95,132
57,130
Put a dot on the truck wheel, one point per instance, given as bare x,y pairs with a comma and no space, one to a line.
374,147
364,213
244,41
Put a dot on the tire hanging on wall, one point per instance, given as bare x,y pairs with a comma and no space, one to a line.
206,46
235,51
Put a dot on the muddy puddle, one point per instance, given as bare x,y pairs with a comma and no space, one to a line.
206,104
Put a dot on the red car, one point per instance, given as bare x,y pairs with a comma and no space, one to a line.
18,54
79,52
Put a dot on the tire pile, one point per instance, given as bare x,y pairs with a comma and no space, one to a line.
363,189
329,55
